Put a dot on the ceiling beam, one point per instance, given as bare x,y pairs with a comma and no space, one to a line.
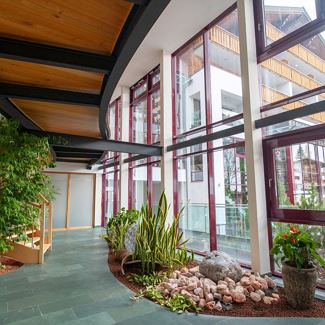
132,38
9,109
89,155
52,55
76,161
48,94
79,142
67,149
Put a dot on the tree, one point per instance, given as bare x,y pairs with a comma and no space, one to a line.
23,158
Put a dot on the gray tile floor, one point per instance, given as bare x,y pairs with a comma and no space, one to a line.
74,286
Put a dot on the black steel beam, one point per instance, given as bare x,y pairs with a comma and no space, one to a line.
291,115
76,161
141,25
139,2
205,138
52,55
134,158
48,94
89,155
67,149
110,165
9,109
86,143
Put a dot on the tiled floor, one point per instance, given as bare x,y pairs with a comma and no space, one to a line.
74,286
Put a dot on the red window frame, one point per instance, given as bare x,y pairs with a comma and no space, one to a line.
145,95
116,158
208,127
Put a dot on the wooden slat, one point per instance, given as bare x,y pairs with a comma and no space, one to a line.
80,24
49,76
61,118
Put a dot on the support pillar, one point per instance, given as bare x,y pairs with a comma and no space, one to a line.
124,170
166,131
253,139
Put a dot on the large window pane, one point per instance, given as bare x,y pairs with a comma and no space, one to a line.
140,190
190,87
299,172
155,117
231,200
139,122
283,17
156,185
194,197
224,60
297,70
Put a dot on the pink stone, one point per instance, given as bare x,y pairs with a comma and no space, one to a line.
270,282
263,282
202,303
218,306
194,270
220,282
227,299
256,285
261,293
192,285
195,298
238,297
198,291
239,289
268,300
209,297
245,281
185,293
211,304
175,291
255,296
229,281
217,296
184,270
275,296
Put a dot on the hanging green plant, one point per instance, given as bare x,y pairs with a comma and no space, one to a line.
23,157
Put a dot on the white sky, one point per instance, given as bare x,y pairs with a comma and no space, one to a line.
308,4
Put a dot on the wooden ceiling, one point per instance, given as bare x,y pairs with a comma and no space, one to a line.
59,57
88,25
83,25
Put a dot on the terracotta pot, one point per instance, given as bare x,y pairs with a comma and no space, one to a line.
299,286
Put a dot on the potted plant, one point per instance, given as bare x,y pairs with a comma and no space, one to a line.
296,249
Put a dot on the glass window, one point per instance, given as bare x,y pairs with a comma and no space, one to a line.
189,84
155,78
140,189
195,198
232,221
139,122
139,89
299,69
155,115
225,72
283,17
156,184
196,111
299,170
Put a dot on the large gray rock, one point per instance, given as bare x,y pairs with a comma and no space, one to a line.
218,265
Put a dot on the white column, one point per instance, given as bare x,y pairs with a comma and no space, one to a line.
124,170
166,131
253,139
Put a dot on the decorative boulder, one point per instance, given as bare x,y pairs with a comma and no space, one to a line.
130,238
218,265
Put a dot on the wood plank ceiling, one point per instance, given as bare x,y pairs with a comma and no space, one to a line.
57,56
92,26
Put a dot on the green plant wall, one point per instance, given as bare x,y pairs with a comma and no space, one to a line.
23,158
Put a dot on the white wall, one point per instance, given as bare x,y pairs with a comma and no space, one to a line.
63,167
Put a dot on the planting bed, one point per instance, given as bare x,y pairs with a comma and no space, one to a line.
10,265
247,309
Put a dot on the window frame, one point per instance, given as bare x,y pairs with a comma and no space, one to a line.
265,52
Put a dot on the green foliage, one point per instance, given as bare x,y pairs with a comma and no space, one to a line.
282,196
118,226
157,242
177,302
23,158
297,248
311,201
147,279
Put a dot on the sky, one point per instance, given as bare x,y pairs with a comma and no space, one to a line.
309,5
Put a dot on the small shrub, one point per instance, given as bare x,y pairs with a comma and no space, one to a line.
147,279
157,242
118,226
